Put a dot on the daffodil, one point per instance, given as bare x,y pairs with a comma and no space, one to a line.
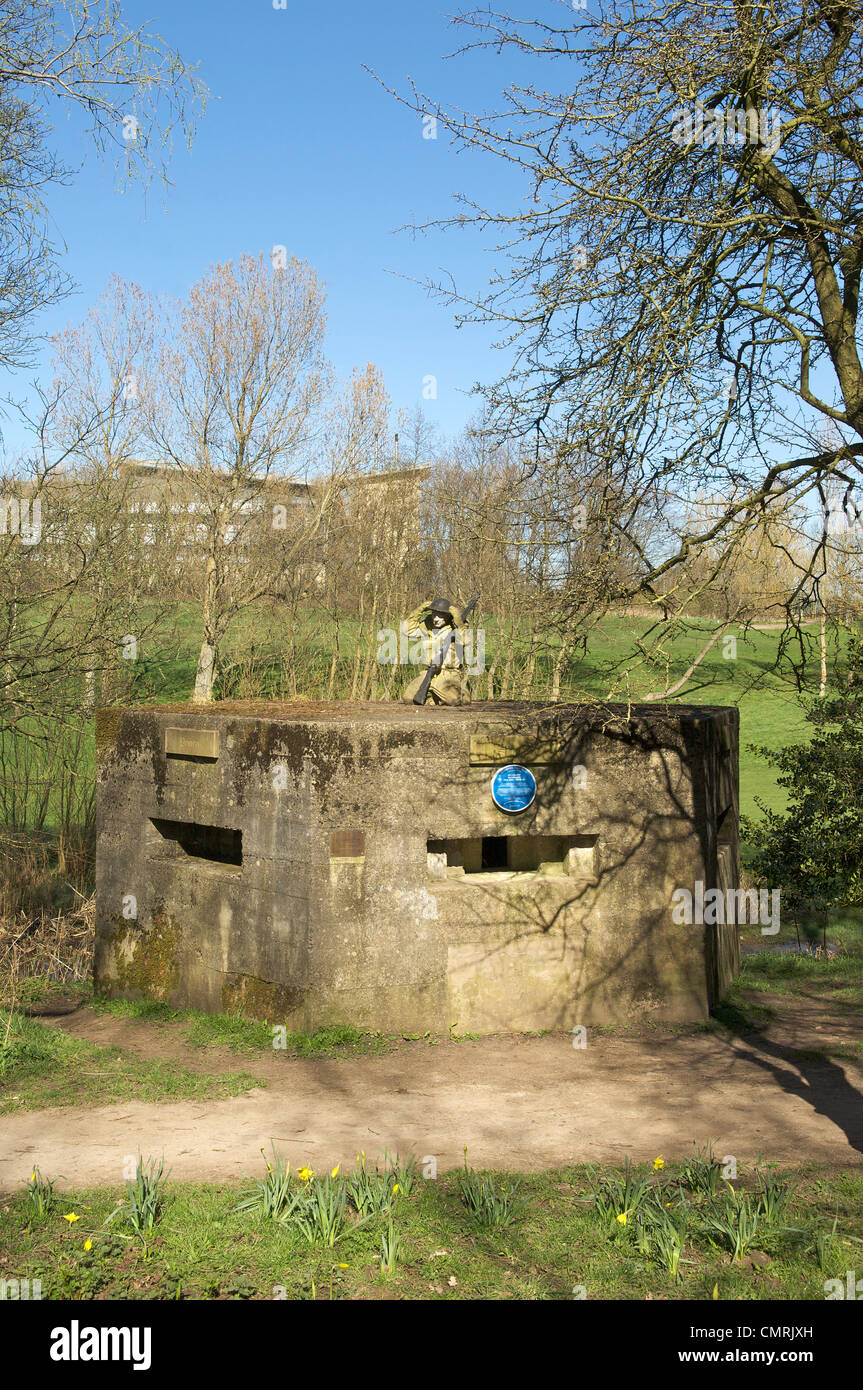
88,1245
658,1164
305,1174
344,1266
335,1172
70,1217
395,1188
622,1217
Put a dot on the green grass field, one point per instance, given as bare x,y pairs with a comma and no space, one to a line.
42,1066
688,1234
768,699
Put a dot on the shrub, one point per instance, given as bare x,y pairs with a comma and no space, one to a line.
814,849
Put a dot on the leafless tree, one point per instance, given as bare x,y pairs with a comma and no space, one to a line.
127,91
241,378
679,289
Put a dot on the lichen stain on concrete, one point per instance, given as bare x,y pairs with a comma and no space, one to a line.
107,728
261,745
129,737
417,740
339,754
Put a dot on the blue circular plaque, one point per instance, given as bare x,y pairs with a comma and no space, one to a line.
513,788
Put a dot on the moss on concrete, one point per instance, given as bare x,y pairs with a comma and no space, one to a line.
107,725
257,998
146,961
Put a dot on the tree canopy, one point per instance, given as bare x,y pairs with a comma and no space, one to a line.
130,93
678,289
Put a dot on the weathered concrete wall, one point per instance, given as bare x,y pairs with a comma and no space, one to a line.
308,895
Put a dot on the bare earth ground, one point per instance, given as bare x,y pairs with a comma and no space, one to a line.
517,1102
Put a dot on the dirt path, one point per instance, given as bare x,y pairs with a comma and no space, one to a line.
518,1103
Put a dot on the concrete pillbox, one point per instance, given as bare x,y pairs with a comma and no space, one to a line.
334,863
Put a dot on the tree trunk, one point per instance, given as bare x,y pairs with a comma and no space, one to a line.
507,666
333,667
371,648
678,685
558,666
205,674
530,665
92,694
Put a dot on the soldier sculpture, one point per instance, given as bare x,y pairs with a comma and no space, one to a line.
442,626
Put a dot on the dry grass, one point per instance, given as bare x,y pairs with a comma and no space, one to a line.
27,879
47,911
38,870
54,946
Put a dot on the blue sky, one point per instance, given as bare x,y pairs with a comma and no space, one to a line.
301,147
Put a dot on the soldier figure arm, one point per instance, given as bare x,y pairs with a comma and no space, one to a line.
417,619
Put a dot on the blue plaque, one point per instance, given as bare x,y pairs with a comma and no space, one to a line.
513,788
